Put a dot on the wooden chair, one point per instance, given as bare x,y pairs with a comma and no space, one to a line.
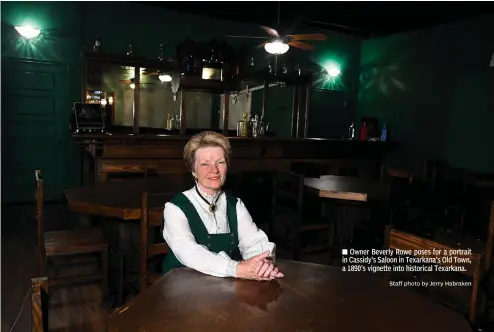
395,239
406,204
448,196
287,205
39,304
152,243
68,242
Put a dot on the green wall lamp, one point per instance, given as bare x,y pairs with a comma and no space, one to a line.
27,32
333,71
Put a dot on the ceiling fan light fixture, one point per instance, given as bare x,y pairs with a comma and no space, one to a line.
276,47
165,78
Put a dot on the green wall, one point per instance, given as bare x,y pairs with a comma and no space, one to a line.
431,88
35,134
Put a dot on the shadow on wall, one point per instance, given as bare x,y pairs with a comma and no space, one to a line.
430,88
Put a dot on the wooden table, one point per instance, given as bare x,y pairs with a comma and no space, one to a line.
310,298
349,188
122,199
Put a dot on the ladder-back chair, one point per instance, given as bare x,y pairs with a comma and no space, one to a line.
68,242
152,243
288,206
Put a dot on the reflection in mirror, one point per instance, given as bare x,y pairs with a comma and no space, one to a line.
117,83
239,103
278,112
156,97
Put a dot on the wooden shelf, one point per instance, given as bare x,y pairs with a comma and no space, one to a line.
128,60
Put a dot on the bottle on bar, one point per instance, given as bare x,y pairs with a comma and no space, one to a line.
351,131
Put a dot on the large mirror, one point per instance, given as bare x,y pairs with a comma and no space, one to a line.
113,85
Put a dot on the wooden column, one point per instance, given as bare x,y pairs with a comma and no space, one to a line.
265,97
295,110
137,98
308,90
226,112
183,114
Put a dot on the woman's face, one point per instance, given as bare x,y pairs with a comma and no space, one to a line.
210,168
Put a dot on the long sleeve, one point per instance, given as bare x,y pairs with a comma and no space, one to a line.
252,240
177,234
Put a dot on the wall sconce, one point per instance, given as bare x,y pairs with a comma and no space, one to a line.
27,31
333,71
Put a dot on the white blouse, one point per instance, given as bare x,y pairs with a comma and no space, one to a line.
177,233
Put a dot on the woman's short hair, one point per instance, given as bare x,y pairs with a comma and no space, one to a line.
203,140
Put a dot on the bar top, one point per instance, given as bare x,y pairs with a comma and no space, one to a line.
110,136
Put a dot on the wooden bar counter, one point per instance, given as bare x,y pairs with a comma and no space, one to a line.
163,154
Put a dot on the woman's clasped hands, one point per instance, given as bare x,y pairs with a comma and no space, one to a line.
259,267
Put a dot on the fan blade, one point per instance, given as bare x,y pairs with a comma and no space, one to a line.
151,73
302,46
262,44
258,37
271,31
125,81
312,36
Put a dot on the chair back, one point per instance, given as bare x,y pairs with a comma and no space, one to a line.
39,197
152,242
472,264
288,192
286,207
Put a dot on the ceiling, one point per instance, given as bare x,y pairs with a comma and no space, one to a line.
361,18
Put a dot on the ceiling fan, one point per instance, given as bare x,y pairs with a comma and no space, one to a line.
279,44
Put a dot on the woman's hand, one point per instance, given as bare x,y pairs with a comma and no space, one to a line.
268,270
258,268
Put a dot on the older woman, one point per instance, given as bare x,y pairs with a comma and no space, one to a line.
211,231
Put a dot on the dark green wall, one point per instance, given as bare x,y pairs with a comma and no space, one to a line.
431,87
58,45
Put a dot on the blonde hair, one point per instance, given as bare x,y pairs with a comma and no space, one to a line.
203,140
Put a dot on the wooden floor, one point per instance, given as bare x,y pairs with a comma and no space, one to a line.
71,309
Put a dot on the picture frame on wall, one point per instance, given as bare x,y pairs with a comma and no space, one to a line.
88,117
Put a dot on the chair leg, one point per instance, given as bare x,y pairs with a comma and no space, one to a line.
120,295
42,263
104,272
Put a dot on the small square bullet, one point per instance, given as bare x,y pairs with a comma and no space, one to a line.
344,251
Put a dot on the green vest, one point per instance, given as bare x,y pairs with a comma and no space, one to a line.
216,243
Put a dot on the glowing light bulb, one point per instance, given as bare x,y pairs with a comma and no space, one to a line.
276,47
27,31
333,71
165,78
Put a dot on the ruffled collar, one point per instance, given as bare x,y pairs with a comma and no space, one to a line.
210,198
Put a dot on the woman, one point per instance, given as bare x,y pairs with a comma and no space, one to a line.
209,230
